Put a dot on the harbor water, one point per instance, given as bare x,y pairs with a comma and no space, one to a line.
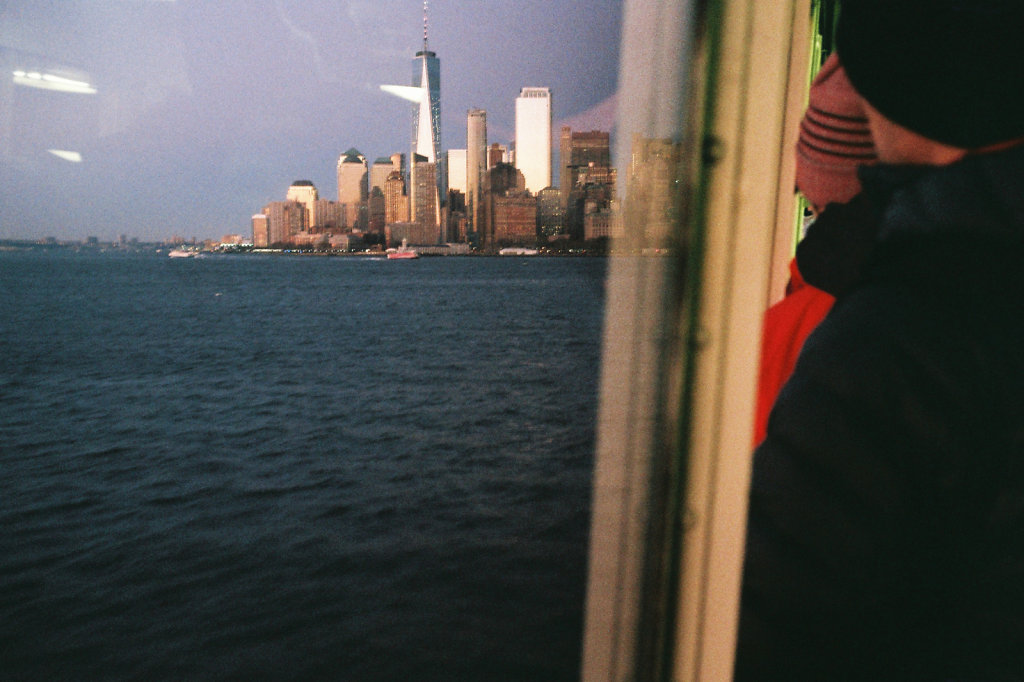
295,468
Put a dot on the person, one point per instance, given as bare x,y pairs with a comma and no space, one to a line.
885,533
834,141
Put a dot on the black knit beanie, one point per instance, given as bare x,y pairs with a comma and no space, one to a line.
950,70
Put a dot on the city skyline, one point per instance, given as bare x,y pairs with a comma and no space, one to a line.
200,126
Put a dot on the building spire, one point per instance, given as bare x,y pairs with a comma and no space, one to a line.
424,25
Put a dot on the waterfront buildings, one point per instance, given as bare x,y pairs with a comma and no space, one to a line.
533,137
413,233
486,195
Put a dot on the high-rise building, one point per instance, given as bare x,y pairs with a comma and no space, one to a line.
650,204
260,234
583,157
381,169
352,187
396,202
376,202
330,217
457,170
550,212
285,219
515,219
476,166
426,122
426,209
497,153
376,211
304,192
455,223
497,182
533,137
564,163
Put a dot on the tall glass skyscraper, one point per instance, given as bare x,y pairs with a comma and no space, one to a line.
426,121
533,137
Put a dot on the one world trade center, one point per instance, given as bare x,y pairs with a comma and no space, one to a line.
424,172
426,75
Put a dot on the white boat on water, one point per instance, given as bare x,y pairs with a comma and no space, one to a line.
518,251
403,252
182,253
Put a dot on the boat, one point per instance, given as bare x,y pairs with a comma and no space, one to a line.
518,251
182,253
403,252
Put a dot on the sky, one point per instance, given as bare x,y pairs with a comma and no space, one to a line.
199,112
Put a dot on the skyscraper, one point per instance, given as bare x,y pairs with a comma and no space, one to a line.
425,207
382,168
583,156
457,170
426,121
533,137
285,219
352,187
497,153
476,166
396,202
260,231
304,192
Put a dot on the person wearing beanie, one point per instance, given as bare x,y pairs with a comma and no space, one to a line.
834,141
885,535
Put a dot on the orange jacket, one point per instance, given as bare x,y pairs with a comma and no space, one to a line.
786,325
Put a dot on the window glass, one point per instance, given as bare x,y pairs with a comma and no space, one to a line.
281,453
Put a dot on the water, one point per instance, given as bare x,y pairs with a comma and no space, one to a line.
260,467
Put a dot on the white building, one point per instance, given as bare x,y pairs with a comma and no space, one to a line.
533,137
353,187
457,170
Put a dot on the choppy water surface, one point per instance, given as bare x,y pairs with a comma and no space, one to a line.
259,467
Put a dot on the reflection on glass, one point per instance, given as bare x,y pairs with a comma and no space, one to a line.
49,81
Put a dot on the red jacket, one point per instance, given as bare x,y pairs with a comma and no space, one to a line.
786,325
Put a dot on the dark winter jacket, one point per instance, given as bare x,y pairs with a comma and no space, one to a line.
886,524
786,326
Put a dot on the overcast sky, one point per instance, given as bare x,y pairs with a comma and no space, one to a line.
205,110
